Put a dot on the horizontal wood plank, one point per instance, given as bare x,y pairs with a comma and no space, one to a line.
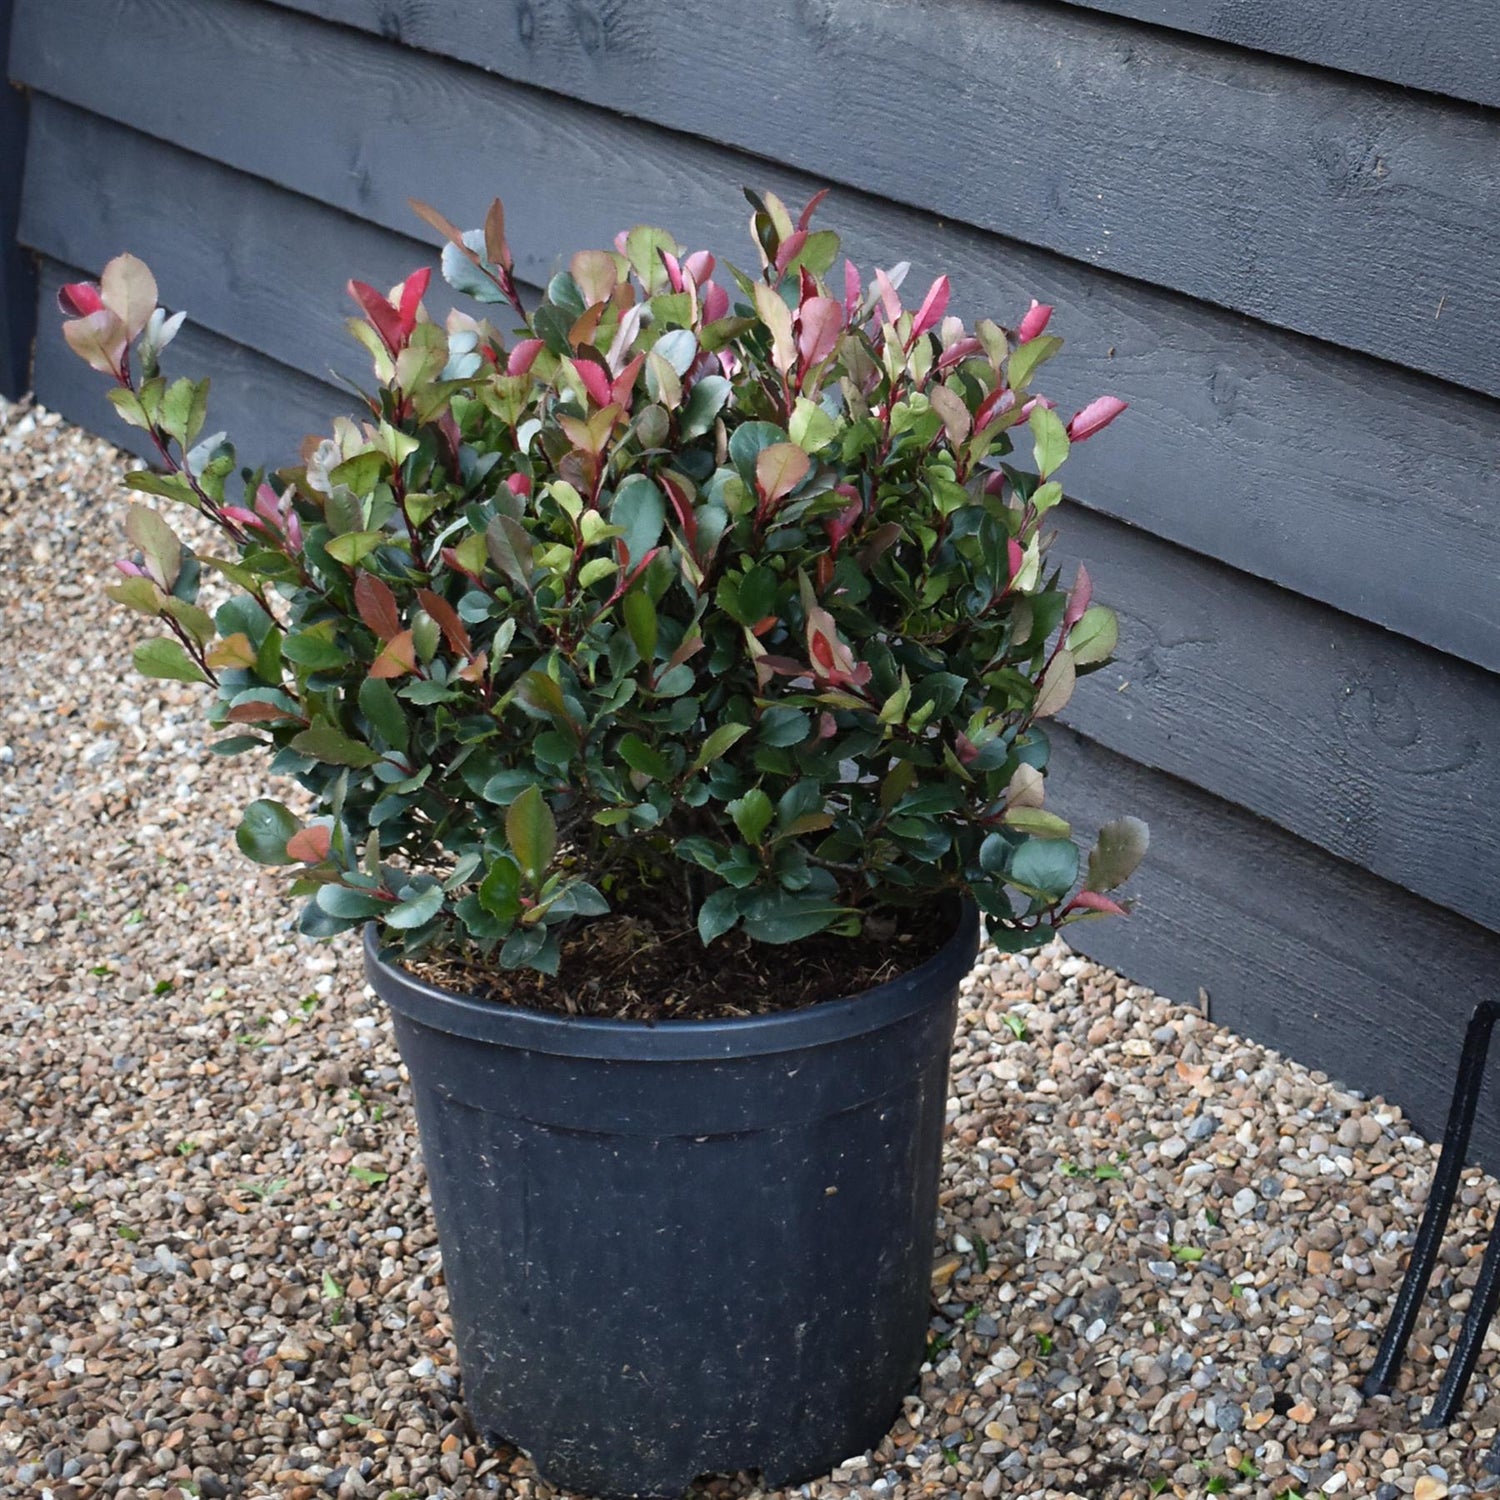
1298,951
1378,750
267,408
1447,47
1351,211
17,273
1336,476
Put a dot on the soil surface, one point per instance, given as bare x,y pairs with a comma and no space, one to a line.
629,968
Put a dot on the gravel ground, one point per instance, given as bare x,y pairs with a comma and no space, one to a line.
1164,1257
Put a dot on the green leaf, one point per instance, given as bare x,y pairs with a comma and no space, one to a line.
725,736
1050,438
264,830
139,594
1046,866
350,904
1027,358
379,704
1056,686
328,743
509,548
1038,822
315,649
1120,848
158,543
785,917
811,427
183,409
1094,637
752,814
718,914
640,756
705,401
640,512
416,910
166,658
747,444
531,832
641,622
362,472
168,486
353,547
500,890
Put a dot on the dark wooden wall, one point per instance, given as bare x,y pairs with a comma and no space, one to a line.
17,268
1273,234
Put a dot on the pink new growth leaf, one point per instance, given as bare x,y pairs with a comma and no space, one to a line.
1096,416
1034,322
934,305
822,319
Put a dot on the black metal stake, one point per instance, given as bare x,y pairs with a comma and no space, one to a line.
1429,1237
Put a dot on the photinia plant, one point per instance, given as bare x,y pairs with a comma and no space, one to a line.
721,597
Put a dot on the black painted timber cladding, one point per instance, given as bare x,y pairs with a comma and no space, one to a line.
17,274
1284,259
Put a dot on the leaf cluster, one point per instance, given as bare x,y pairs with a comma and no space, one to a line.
721,589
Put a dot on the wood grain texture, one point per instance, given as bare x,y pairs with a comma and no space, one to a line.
17,273
1352,211
1447,47
1337,476
1298,951
255,263
1376,749
266,408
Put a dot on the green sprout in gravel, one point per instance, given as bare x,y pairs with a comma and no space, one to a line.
738,595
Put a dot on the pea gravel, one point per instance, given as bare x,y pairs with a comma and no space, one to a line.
1164,1258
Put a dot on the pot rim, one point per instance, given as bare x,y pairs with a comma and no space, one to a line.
681,1040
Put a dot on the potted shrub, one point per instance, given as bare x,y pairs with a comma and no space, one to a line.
668,680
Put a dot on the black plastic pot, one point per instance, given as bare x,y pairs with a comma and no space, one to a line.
690,1247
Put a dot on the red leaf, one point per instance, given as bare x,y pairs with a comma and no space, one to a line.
595,380
934,305
789,249
888,298
853,290
523,356
397,657
413,289
700,266
1034,321
624,383
715,302
812,207
822,322
377,606
1078,600
1094,417
685,516
384,318
261,713
78,299
310,845
674,268
444,613
1093,901
495,245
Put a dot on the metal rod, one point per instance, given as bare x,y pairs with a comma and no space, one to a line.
1471,1338
1424,1253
